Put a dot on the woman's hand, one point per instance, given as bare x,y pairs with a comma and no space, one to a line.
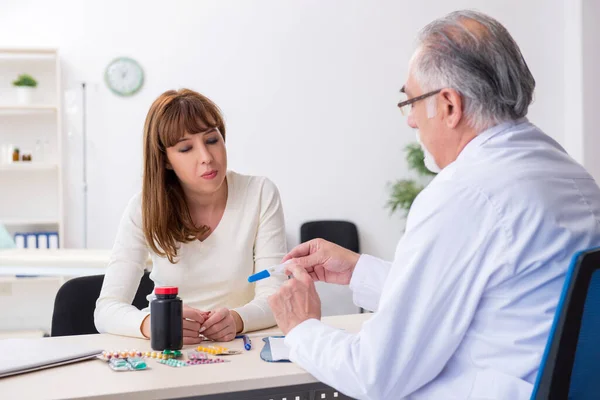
192,324
222,325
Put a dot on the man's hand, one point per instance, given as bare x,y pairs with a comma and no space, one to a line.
324,261
222,325
296,300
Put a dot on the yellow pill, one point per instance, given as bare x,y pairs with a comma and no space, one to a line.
153,354
147,354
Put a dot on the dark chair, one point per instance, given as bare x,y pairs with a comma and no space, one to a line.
342,233
570,367
76,300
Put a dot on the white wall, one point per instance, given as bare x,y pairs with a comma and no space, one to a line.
308,89
581,82
573,79
591,94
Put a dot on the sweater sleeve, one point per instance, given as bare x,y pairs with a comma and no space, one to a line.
269,248
114,312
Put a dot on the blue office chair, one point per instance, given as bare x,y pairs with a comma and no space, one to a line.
570,367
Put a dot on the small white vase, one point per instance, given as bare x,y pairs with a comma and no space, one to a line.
24,94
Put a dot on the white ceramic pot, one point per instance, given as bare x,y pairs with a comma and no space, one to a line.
25,94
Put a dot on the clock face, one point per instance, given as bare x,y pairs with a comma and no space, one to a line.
124,76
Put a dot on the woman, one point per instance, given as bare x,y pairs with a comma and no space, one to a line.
206,228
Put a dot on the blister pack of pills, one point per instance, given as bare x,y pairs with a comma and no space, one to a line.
127,364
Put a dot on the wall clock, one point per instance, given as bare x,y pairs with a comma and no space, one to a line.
124,76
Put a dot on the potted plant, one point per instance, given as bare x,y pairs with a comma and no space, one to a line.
404,191
25,85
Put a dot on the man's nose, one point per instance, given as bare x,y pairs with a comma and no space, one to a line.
411,121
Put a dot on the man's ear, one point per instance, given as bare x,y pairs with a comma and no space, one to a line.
452,107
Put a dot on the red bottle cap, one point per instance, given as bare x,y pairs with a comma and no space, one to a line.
166,290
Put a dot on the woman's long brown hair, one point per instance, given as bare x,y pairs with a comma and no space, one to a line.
165,214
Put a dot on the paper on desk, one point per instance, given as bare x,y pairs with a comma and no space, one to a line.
279,350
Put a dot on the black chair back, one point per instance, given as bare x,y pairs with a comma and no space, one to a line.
342,233
76,300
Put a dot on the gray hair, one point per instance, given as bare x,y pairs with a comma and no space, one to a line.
475,55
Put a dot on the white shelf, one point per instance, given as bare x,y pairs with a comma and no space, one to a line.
28,221
27,50
28,166
27,54
26,109
35,187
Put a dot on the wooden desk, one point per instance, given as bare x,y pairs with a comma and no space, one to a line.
246,377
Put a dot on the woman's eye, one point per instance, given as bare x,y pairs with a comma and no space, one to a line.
212,141
185,149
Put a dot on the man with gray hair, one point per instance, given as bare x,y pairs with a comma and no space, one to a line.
465,308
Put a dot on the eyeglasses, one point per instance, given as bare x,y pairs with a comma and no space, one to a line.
405,105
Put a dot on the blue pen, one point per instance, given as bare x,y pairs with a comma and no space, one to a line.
247,342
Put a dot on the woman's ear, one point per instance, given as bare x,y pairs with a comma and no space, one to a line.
168,166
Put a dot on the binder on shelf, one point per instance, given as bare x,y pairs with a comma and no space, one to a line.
42,240
53,240
31,241
20,240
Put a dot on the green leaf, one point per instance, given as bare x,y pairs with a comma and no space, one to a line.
25,80
415,159
403,194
